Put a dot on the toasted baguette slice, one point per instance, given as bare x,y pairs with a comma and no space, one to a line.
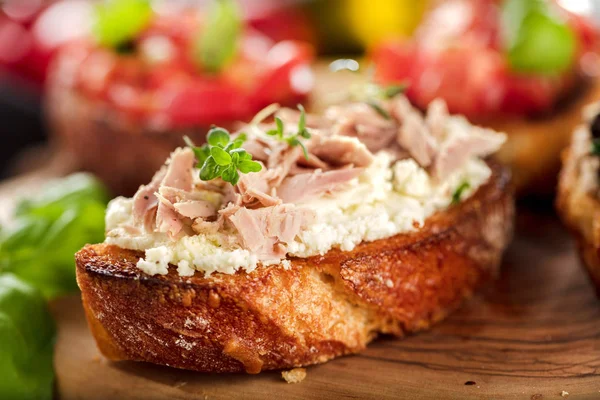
580,211
534,146
319,308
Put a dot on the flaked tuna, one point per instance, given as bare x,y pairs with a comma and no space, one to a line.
302,187
265,231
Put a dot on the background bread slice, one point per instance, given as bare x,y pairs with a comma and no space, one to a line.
121,150
580,211
534,146
320,308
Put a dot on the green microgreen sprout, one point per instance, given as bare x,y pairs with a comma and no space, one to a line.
374,104
458,193
294,139
222,157
368,92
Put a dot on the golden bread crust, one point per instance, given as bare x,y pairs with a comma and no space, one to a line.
580,211
320,308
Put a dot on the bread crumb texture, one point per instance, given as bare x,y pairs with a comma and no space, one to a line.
295,375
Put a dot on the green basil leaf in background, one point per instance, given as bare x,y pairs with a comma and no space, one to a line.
27,334
49,229
218,40
536,38
119,21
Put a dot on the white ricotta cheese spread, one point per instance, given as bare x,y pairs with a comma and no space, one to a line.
383,201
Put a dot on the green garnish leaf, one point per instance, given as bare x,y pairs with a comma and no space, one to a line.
458,193
377,107
302,120
201,153
217,43
278,132
27,332
118,22
392,91
537,39
218,137
596,147
49,228
246,166
222,157
230,174
294,139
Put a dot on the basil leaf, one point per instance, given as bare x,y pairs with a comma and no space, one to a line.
218,137
220,156
218,42
49,228
27,335
537,39
117,22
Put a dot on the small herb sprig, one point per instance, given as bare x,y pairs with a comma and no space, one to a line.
294,139
458,193
222,157
369,92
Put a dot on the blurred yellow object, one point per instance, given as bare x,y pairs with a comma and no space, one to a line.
373,20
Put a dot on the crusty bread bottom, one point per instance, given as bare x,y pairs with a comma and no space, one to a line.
580,212
322,307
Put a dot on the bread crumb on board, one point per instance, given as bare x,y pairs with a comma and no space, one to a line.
295,375
564,393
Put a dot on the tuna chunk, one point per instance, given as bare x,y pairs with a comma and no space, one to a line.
413,134
179,170
145,202
167,219
437,115
341,151
195,209
459,149
256,188
301,187
361,121
265,231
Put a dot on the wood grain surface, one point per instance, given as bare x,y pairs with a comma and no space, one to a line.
532,335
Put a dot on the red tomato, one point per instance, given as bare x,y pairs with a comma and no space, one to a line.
462,62
278,81
200,101
162,85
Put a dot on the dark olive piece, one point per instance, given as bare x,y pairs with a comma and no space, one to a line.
595,127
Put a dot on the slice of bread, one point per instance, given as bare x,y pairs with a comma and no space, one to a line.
534,146
319,308
580,210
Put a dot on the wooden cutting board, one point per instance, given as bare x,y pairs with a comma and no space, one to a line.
534,334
